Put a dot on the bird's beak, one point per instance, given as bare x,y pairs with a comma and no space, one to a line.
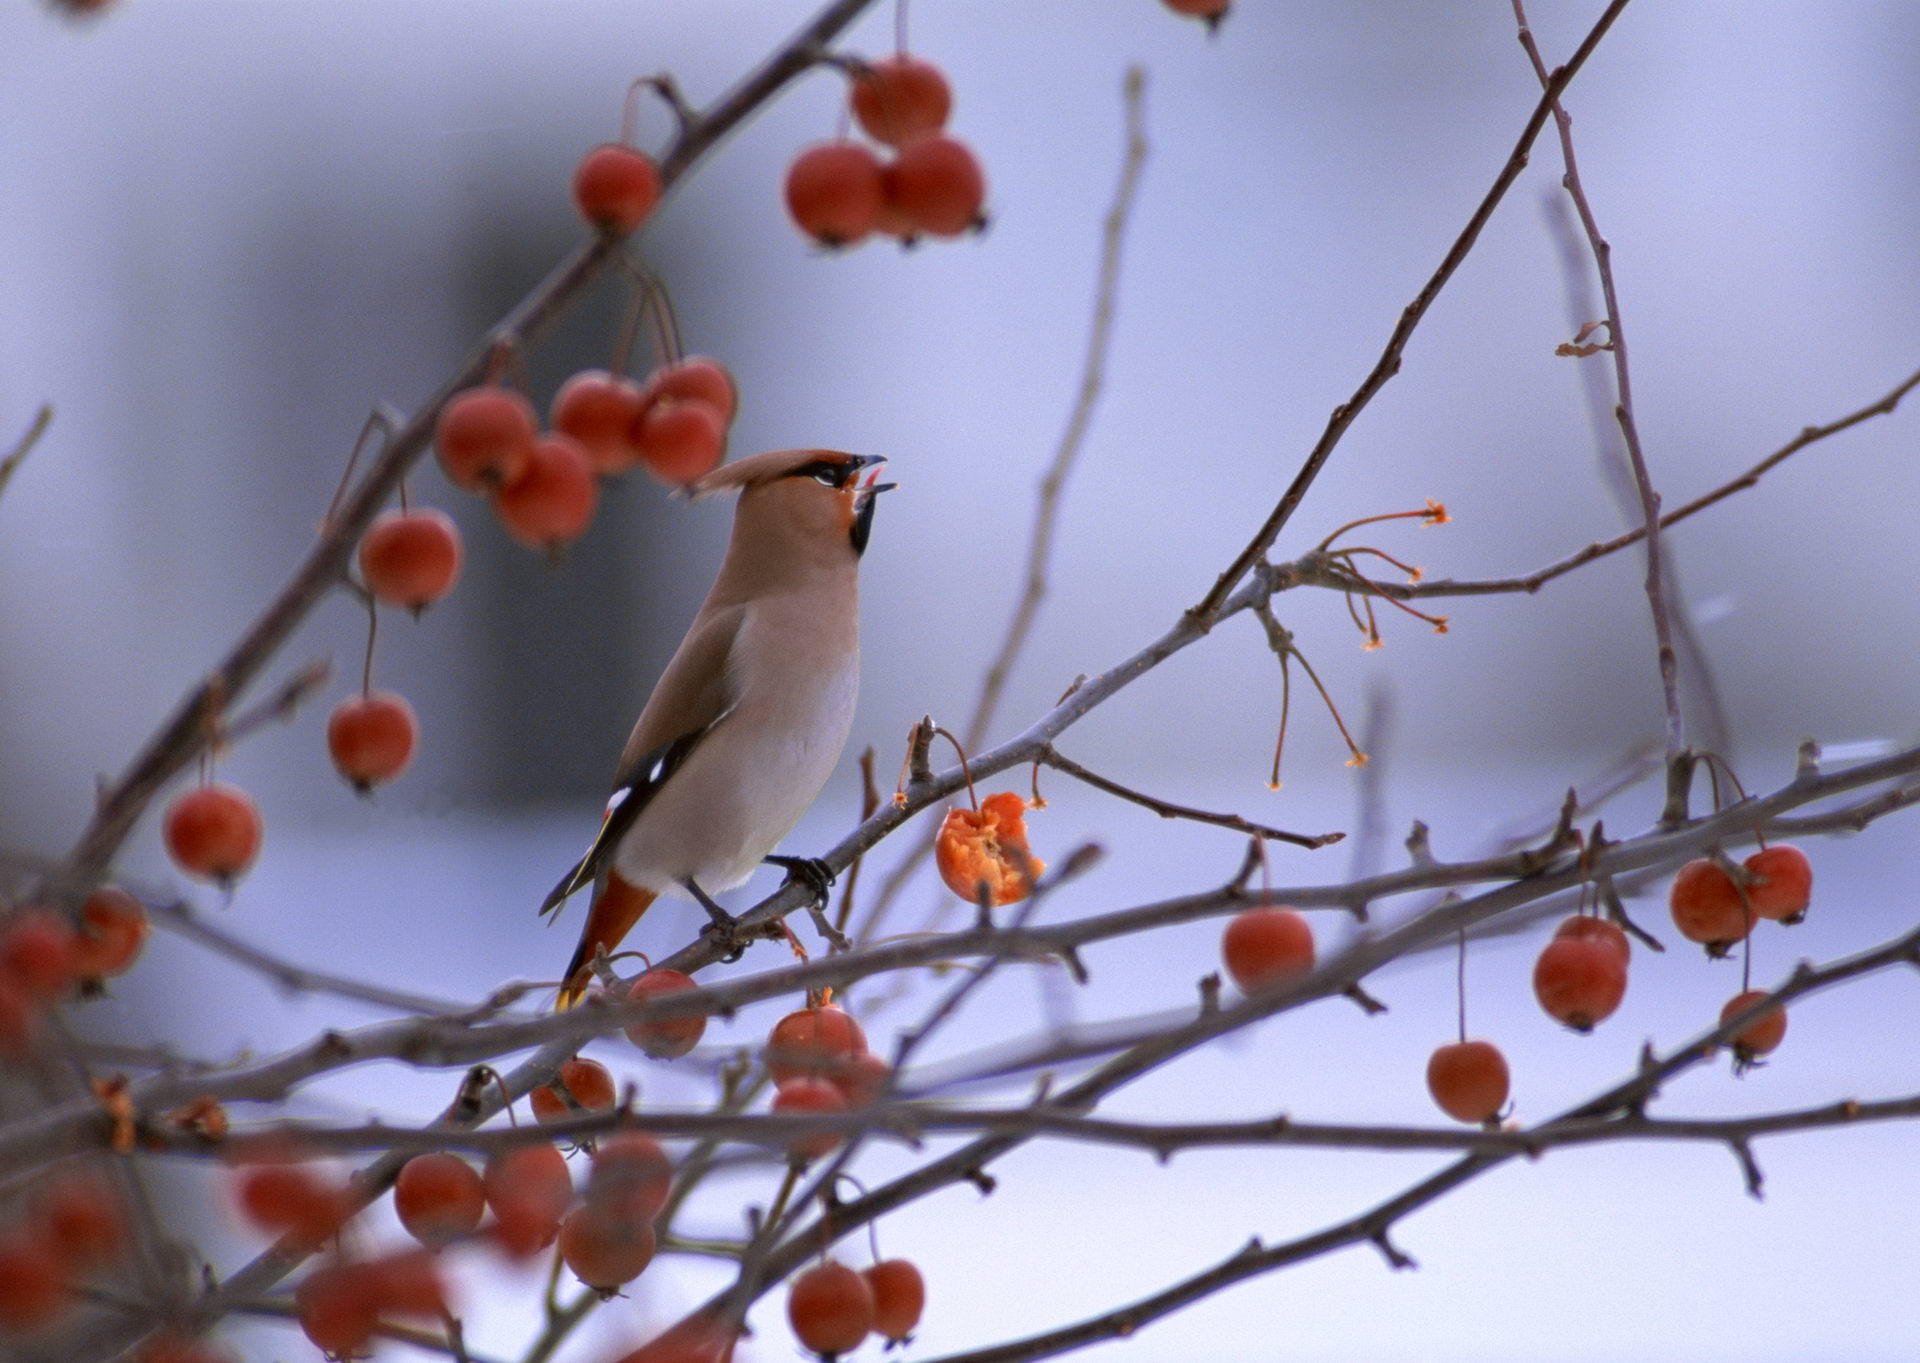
864,503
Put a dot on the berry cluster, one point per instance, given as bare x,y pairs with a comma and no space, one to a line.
833,1308
74,1226
46,958
842,192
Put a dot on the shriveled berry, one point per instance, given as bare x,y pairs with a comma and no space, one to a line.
1266,945
1782,884
529,1190
937,184
665,1038
485,437
605,1252
213,831
552,502
680,439
987,847
616,188
1761,1036
820,1042
899,1297
1469,1080
1579,981
438,1197
371,738
38,954
898,99
807,1096
830,1308
598,409
588,1087
834,191
411,558
113,929
1707,908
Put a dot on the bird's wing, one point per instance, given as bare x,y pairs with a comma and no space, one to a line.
693,695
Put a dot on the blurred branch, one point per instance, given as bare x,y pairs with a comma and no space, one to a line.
17,456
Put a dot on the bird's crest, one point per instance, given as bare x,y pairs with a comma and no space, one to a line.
756,469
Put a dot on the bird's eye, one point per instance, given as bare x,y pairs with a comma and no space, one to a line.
829,477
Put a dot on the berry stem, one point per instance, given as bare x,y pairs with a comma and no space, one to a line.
380,420
373,632
1460,980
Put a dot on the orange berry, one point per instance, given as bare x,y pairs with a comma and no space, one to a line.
1579,981
1266,945
338,1306
987,846
616,188
1759,1037
699,378
113,930
1600,930
407,1283
1212,11
485,437
666,1038
680,439
1782,884
411,558
605,1252
288,1199
830,1308
1469,1080
1706,906
529,1190
937,184
898,99
33,1289
862,1079
630,1178
80,1220
438,1197
213,831
834,191
371,738
899,1297
820,1041
598,409
589,1085
808,1096
38,954
552,502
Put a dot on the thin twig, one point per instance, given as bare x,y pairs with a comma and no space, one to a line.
24,446
1051,757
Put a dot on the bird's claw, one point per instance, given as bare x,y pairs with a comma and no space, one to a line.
726,937
812,872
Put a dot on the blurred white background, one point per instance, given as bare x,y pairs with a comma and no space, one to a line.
231,228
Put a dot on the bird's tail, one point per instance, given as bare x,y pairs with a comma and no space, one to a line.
617,906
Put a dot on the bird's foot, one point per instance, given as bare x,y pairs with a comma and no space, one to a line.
726,936
815,874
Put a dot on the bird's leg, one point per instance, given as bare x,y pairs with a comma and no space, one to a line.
818,878
724,929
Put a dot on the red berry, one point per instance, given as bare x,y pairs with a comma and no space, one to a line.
485,437
699,378
1600,930
33,1290
338,1306
861,1080
1782,884
371,738
898,99
666,1038
438,1197
1579,981
937,185
834,191
1266,945
1213,11
38,953
598,409
1759,1037
407,1283
288,1199
529,1190
605,1252
680,440
411,558
213,831
80,1220
899,1297
830,1308
552,502
587,1083
616,188
821,1042
1469,1080
630,1178
113,930
19,1021
1707,908
807,1096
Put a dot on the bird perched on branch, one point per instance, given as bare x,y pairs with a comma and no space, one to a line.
748,720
